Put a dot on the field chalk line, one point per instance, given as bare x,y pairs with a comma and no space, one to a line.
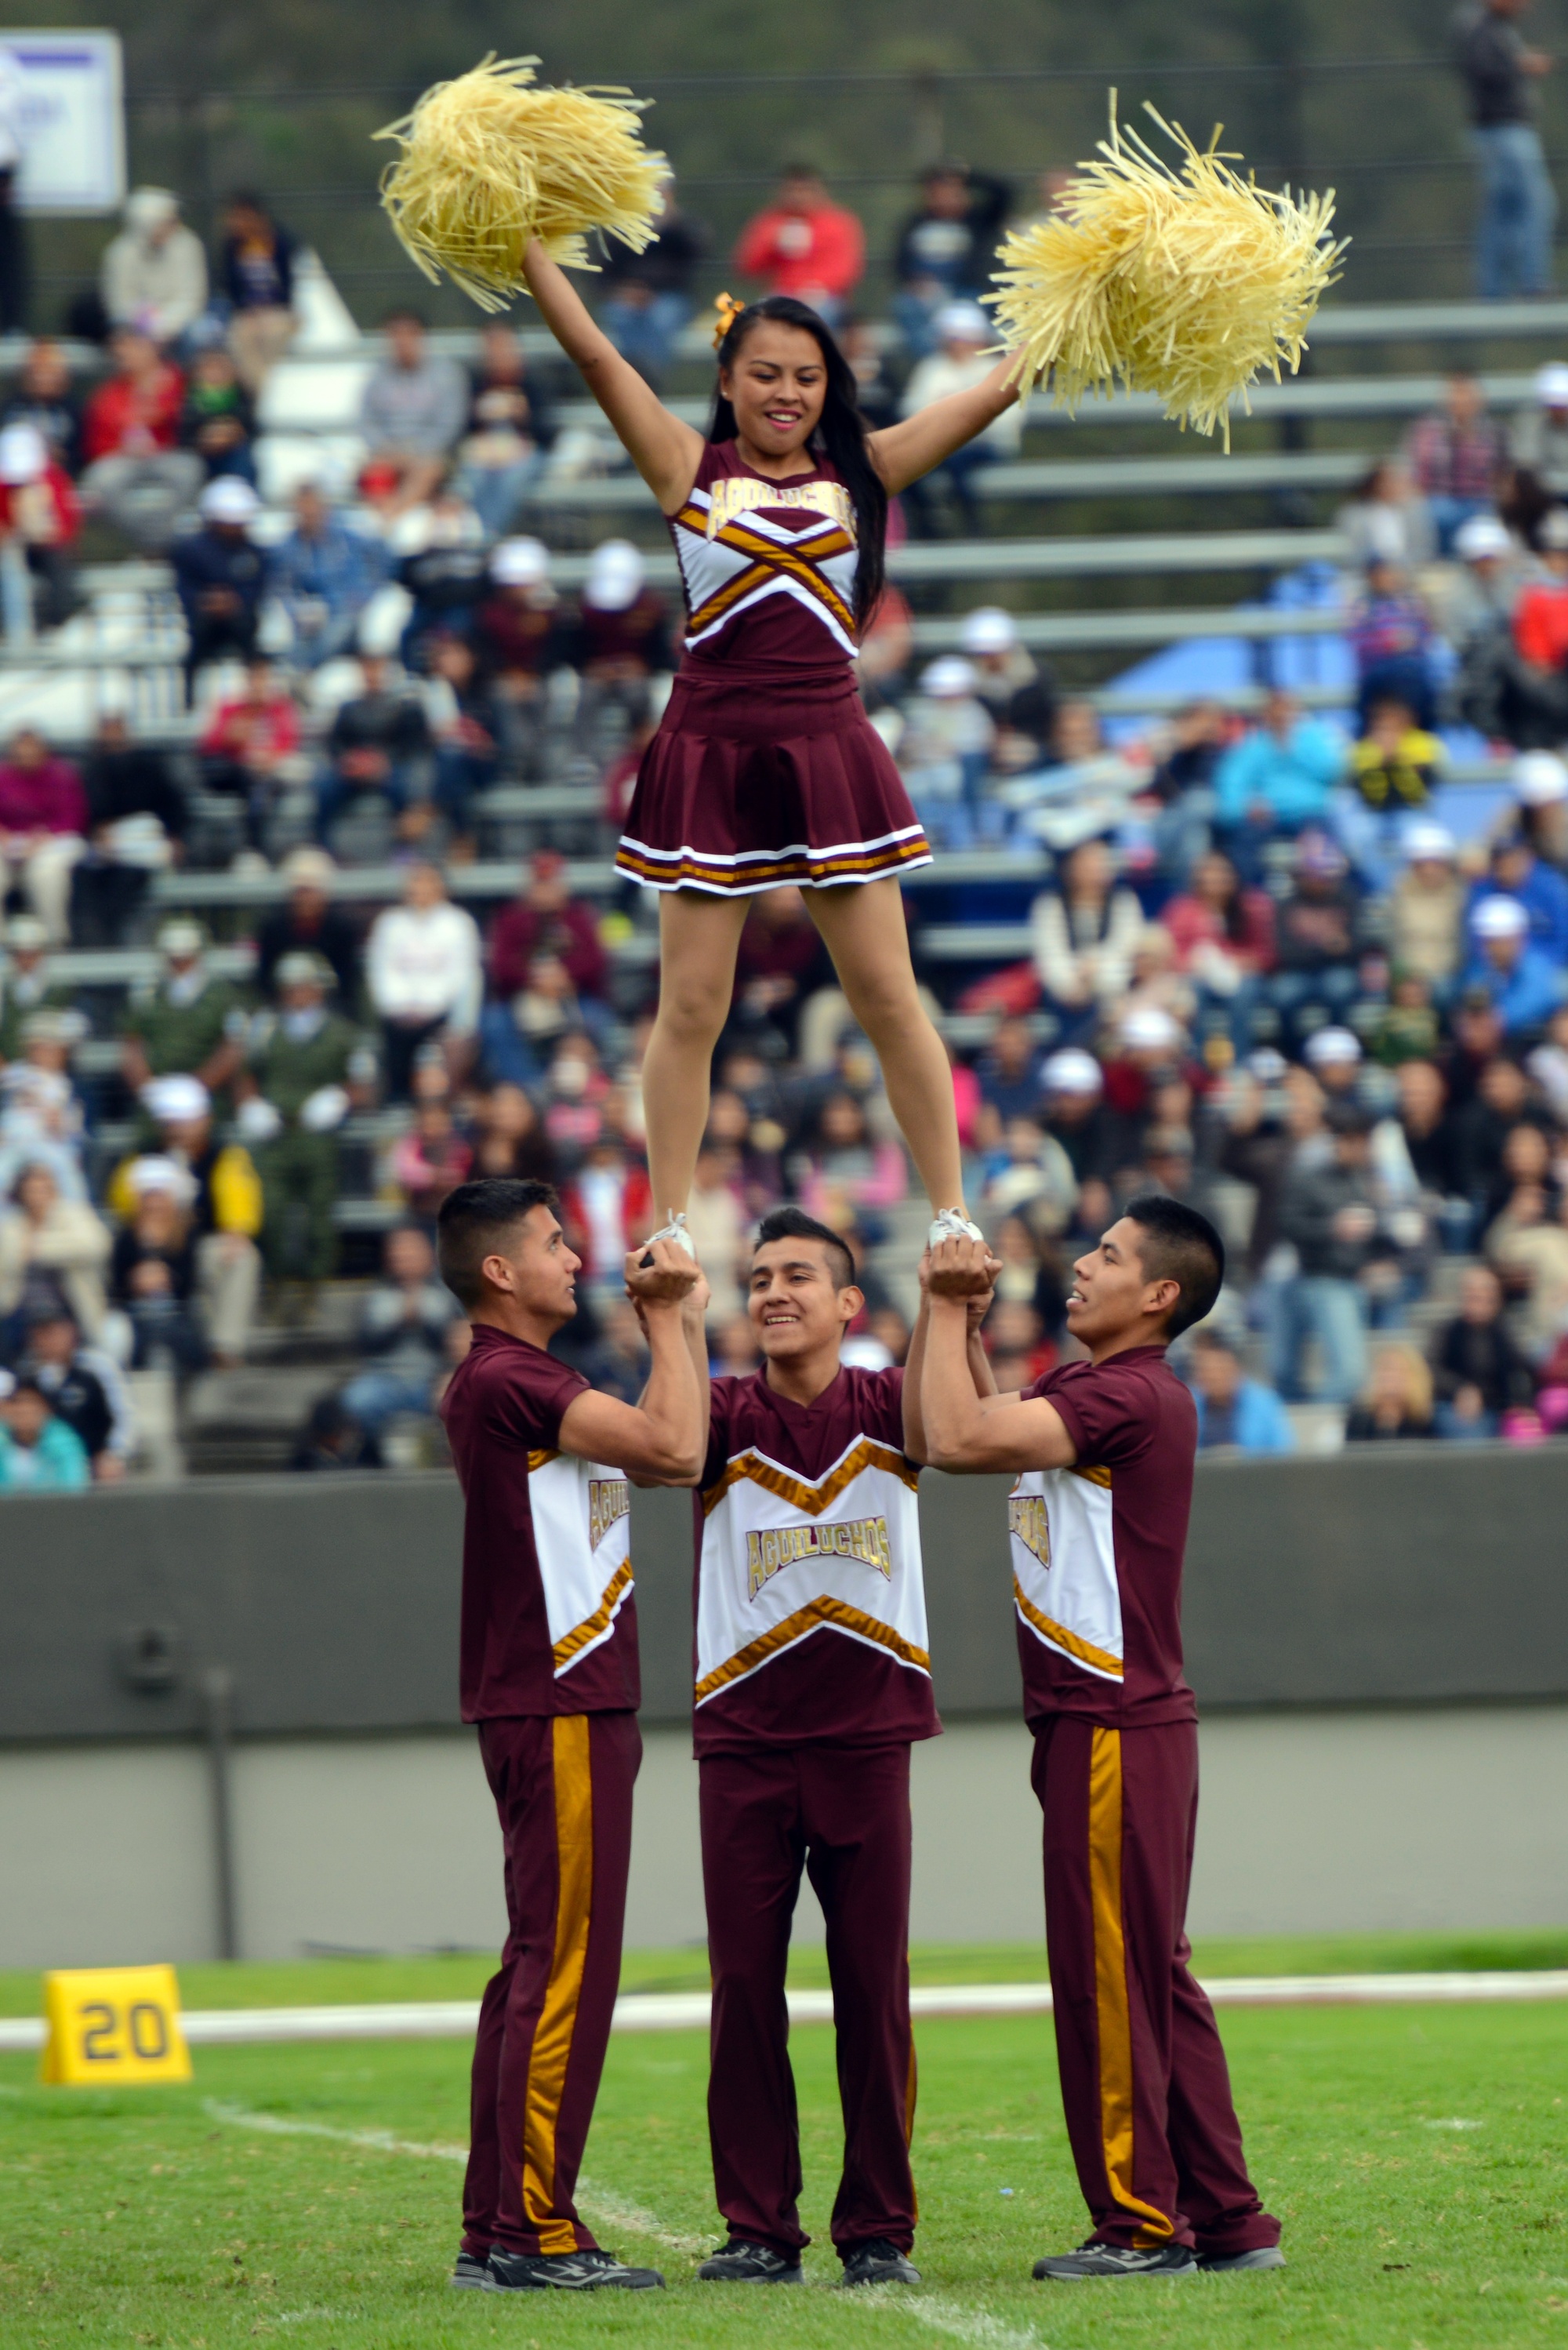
456,2019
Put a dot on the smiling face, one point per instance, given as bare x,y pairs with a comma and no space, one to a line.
1112,1298
795,1308
776,385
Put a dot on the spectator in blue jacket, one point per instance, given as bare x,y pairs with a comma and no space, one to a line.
39,1453
324,574
220,574
1234,1410
1278,779
1518,872
1524,984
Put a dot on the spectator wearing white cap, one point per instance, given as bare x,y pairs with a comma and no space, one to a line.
965,354
1083,932
1518,872
137,476
188,1022
324,574
225,1202
414,410
1426,907
153,274
423,975
1538,439
944,752
27,981
1013,685
1454,456
1472,604
152,1279
1541,785
378,742
518,635
220,574
1524,986
620,639
40,518
308,922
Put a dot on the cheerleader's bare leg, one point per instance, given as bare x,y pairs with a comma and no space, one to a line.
863,928
698,937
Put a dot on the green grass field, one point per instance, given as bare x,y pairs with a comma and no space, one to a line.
310,2195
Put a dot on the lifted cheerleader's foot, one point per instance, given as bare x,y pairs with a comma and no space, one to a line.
675,1230
951,1224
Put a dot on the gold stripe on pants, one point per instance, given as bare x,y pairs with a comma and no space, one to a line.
557,2020
1115,2021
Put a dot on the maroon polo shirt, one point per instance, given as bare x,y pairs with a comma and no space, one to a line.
505,1401
827,1688
1133,1419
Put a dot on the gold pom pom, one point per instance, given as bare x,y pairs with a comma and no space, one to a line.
1185,282
489,162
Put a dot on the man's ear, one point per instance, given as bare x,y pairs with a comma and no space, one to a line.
500,1273
850,1301
1161,1298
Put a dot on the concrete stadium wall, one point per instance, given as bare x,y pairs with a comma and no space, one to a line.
1419,1573
1312,1823
1380,1643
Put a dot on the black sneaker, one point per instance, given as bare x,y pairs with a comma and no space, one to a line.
879,2262
568,2272
1262,2256
1092,2259
471,2273
739,2263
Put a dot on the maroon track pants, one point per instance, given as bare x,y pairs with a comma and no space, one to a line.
563,1785
1144,2081
843,1813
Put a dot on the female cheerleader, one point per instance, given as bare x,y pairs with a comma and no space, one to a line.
765,768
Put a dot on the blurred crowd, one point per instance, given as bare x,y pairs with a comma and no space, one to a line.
1272,960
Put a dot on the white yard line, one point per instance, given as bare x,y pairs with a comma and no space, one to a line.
935,2312
603,2203
455,2018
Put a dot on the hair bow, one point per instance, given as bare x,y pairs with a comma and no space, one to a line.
729,310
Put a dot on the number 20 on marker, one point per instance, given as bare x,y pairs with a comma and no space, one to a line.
117,2026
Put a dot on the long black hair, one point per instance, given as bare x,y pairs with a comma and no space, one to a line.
840,435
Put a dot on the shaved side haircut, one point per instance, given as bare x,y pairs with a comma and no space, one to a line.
1175,1243
477,1220
794,1225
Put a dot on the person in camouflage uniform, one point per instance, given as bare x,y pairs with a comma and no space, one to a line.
26,986
305,1064
187,1022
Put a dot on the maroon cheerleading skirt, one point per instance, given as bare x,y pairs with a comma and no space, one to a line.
746,787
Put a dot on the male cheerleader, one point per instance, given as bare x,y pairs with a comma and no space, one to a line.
549,1672
1098,1518
812,1679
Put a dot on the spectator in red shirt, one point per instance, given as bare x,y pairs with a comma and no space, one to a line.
247,745
42,827
137,475
546,918
1224,939
805,245
39,518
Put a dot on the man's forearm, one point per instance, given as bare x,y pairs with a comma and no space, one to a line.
949,1405
674,1400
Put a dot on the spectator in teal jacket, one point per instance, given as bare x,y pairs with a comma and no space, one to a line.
1234,1410
39,1453
1278,779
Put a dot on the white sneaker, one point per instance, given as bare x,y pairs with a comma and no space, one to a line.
951,1226
675,1230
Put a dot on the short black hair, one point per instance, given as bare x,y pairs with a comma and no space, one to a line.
1182,1246
794,1225
477,1215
